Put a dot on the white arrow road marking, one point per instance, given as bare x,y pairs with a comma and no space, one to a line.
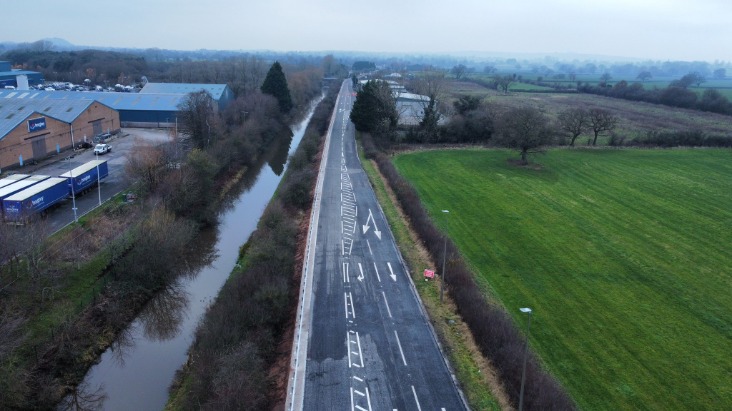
360,277
367,226
392,275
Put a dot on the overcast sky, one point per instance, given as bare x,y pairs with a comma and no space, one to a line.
647,29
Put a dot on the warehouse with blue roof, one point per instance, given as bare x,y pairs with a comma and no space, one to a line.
33,129
18,78
156,105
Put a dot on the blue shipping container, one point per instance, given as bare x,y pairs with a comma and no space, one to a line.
35,199
85,176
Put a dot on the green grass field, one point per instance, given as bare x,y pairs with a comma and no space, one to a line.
624,255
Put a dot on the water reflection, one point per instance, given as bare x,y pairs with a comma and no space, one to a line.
83,398
162,316
279,157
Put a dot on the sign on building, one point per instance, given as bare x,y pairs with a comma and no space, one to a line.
36,124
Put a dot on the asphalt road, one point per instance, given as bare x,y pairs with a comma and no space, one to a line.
63,214
364,341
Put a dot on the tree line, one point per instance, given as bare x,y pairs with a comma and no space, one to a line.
677,94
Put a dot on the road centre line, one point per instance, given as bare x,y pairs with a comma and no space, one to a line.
345,273
388,310
419,408
349,304
404,360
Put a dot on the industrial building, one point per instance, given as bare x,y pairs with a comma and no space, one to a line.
33,129
221,93
143,109
18,78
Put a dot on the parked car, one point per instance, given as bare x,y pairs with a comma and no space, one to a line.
99,138
102,149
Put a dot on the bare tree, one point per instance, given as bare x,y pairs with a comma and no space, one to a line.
600,121
458,71
145,164
644,75
573,121
525,129
430,84
504,82
197,118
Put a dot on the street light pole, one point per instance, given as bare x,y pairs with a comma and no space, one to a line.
73,193
526,351
99,184
444,257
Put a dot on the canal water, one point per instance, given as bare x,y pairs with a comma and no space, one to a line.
137,370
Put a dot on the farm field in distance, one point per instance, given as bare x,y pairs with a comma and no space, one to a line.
624,256
636,118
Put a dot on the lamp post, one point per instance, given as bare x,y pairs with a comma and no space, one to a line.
526,351
73,193
99,184
444,258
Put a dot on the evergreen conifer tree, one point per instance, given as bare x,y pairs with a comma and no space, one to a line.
275,84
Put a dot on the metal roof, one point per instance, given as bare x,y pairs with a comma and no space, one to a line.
35,189
82,168
17,73
21,185
115,100
216,90
14,111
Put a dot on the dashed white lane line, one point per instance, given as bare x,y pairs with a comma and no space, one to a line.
377,270
388,310
404,360
372,253
419,408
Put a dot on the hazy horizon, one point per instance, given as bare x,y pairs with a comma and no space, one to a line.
622,29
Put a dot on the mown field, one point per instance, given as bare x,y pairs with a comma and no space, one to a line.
624,255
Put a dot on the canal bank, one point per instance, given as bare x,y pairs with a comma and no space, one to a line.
136,371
